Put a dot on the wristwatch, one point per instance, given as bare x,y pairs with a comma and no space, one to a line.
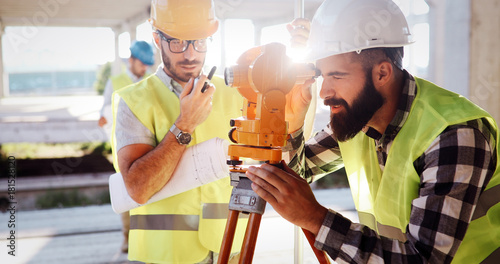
182,137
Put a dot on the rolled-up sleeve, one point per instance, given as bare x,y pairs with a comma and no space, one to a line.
129,130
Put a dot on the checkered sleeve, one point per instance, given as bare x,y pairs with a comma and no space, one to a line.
453,171
318,157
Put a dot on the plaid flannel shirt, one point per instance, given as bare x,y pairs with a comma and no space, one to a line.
453,171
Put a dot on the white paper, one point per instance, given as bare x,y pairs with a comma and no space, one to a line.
200,164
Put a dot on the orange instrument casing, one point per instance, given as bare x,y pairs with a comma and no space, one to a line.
264,75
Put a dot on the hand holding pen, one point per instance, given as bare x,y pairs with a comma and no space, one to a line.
209,77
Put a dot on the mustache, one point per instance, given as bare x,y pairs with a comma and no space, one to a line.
188,62
334,101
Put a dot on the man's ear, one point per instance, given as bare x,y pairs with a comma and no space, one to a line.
382,73
156,39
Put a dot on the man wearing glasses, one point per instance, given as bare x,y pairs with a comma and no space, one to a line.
156,119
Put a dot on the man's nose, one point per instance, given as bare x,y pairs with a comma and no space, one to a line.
327,90
190,52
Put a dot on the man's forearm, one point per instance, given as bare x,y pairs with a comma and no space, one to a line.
149,173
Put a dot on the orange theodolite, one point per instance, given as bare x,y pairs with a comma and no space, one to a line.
264,75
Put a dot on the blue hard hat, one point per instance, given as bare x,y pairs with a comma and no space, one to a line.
143,52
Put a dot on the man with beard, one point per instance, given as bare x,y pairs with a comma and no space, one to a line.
156,120
422,162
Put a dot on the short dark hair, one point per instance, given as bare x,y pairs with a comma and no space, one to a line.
396,56
370,57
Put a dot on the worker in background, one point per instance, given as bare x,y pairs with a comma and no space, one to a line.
156,120
422,162
141,58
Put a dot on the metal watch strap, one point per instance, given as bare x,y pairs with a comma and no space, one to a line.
175,130
178,133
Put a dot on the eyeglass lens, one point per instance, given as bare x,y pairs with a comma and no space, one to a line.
177,45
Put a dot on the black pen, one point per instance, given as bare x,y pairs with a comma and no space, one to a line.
209,77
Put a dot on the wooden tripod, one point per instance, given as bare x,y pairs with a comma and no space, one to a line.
243,199
248,247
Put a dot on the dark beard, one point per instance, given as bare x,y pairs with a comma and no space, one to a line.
176,75
346,125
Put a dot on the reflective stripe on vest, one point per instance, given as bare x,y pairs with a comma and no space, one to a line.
492,258
487,199
165,222
180,222
383,230
215,210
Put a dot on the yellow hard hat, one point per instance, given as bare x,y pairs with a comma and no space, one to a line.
184,19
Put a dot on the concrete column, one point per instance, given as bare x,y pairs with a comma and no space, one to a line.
298,9
437,28
257,33
157,57
485,55
116,68
222,30
449,29
456,56
133,33
298,249
4,86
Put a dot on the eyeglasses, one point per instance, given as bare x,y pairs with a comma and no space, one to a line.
179,46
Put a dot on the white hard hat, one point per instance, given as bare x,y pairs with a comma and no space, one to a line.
341,26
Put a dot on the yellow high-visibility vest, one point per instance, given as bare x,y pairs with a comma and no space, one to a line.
383,200
185,227
121,80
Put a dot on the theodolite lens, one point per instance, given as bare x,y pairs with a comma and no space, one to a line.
229,76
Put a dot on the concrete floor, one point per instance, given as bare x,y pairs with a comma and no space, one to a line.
51,119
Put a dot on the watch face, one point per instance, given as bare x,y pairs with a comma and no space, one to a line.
184,138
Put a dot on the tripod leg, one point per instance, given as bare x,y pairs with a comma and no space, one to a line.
320,255
227,241
251,233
